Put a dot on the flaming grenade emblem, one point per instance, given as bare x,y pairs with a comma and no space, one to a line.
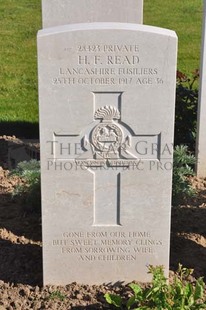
107,136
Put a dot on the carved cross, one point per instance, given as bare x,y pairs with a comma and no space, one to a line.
107,146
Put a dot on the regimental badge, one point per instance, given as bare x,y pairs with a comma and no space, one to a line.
107,137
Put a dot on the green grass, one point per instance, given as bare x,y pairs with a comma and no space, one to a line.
20,21
184,17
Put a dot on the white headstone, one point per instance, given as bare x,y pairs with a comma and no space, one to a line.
106,94
62,12
201,121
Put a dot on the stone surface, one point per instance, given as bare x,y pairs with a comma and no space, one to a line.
62,12
107,94
201,122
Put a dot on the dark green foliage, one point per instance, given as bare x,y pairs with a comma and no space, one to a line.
182,168
160,295
186,110
29,191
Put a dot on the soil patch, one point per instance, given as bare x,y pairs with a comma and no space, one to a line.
21,254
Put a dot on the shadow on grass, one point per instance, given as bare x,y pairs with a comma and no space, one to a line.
24,130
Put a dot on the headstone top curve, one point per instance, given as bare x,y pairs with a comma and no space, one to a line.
109,26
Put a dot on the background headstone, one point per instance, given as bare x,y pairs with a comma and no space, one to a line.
201,120
62,12
107,96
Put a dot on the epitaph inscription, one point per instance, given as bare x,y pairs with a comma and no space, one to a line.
107,246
